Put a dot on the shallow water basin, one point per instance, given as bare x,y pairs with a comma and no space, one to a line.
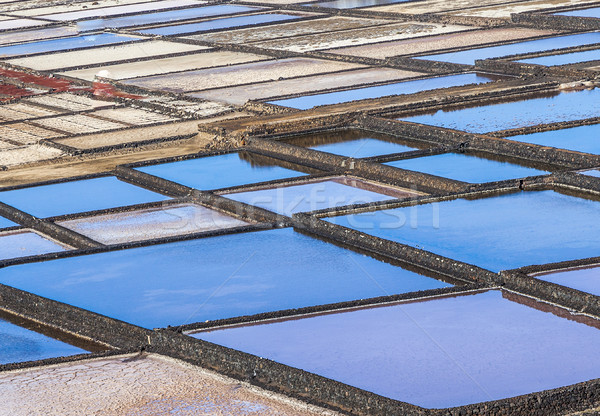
594,172
163,17
496,233
581,138
439,353
466,168
23,243
18,344
74,42
77,196
354,144
221,171
214,278
468,57
315,195
564,106
564,59
231,22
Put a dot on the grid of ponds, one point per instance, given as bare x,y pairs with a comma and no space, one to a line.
344,207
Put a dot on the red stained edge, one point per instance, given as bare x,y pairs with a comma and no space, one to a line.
12,91
56,84
101,89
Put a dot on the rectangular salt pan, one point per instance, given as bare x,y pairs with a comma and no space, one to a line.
466,168
186,62
77,196
21,23
350,144
15,244
288,29
240,74
404,87
353,4
102,55
79,124
151,223
439,353
125,9
564,59
565,106
38,34
163,17
241,94
315,195
63,44
18,344
169,387
355,37
231,22
581,138
496,233
221,171
468,57
214,278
